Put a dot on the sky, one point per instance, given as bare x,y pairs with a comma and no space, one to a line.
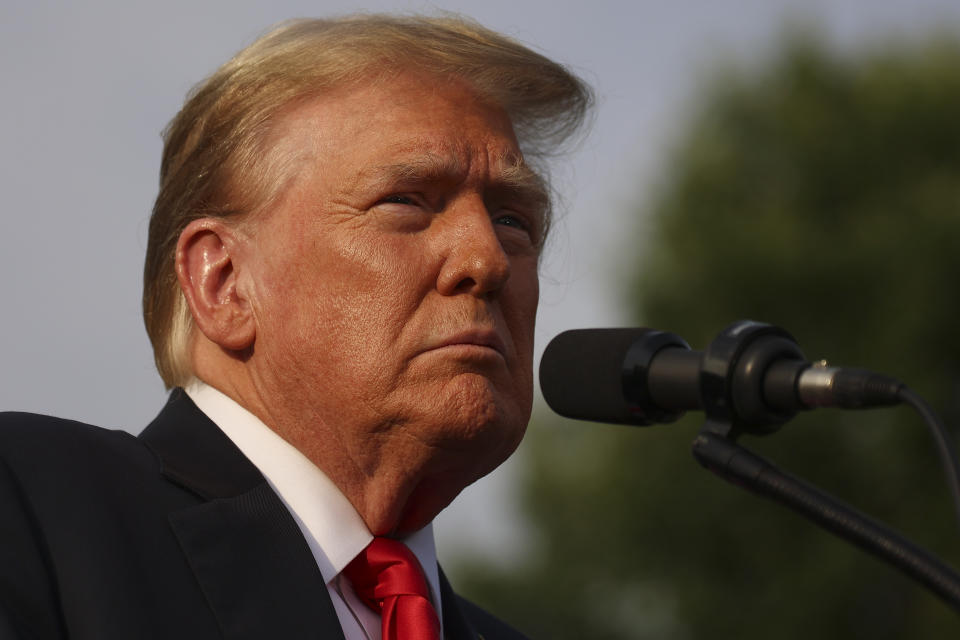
88,87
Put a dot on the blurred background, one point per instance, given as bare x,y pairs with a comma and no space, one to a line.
795,162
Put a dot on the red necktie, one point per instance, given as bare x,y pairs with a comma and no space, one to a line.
388,578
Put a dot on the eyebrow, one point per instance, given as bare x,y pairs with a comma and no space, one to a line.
512,176
528,184
428,167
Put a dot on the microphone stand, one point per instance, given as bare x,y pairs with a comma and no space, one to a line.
732,395
750,471
752,378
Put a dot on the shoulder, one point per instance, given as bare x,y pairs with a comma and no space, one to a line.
53,473
61,457
488,626
34,437
464,619
17,426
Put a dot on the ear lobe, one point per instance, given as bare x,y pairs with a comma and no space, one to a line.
206,261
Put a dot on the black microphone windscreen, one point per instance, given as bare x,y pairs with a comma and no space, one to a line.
581,374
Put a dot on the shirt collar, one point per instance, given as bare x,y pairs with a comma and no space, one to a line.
333,529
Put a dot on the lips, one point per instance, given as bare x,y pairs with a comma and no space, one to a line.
474,337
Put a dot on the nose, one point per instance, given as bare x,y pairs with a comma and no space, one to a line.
475,262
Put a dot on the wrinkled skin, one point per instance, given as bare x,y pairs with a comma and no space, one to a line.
380,315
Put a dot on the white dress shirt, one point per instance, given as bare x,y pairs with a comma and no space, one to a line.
333,529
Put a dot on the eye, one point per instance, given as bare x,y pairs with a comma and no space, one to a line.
403,212
518,233
398,199
512,220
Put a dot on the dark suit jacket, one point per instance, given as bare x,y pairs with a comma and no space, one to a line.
172,534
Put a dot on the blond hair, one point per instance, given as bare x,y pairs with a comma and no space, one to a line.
215,161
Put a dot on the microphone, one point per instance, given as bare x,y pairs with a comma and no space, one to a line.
752,375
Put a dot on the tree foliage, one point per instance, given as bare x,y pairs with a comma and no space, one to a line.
821,194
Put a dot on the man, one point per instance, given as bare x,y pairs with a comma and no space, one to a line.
340,288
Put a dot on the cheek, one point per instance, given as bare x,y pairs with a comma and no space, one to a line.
353,298
521,305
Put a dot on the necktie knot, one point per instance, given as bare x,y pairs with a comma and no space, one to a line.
388,578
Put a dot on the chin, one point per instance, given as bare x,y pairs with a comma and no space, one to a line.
471,427
477,413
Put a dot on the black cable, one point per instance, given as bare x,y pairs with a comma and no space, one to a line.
941,438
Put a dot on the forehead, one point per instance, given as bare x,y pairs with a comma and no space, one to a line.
405,119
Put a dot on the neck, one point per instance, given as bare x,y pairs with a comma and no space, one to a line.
391,481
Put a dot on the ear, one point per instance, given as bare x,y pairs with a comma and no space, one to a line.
206,263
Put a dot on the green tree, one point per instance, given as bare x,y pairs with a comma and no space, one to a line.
821,194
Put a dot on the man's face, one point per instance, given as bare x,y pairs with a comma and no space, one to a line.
395,288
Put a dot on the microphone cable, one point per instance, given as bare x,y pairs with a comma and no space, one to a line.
941,437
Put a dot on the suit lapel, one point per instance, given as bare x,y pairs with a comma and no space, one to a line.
255,568
247,553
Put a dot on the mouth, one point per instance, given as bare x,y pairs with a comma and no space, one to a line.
480,341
